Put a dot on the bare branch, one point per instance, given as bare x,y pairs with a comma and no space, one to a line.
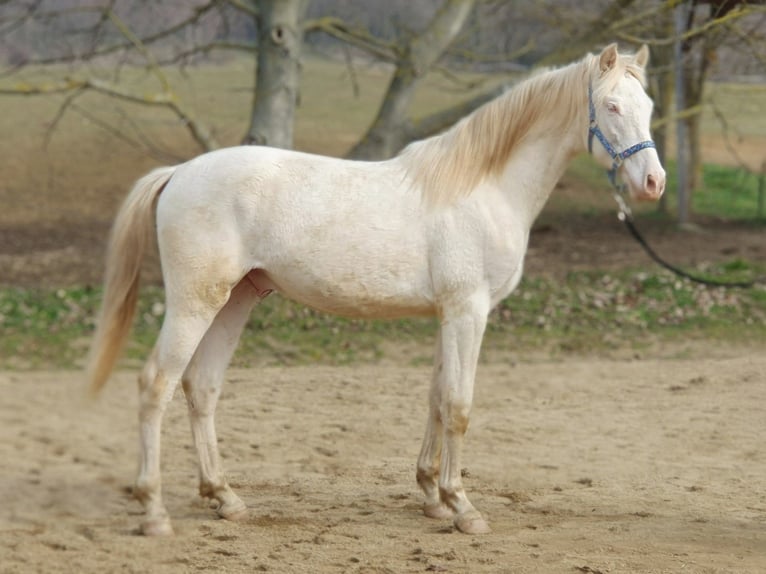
358,37
148,142
495,58
429,46
12,69
460,82
247,47
747,39
719,115
434,123
671,118
244,6
349,61
693,33
140,47
164,99
193,18
143,143
26,89
68,101
34,12
16,21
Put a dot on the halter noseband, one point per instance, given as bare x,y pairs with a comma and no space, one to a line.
617,157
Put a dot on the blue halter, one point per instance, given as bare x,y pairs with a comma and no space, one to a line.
617,157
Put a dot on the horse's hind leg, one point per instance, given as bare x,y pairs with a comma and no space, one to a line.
186,321
202,385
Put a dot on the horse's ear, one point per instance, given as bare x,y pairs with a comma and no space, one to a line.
608,58
642,56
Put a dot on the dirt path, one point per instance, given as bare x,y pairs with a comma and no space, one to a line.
581,466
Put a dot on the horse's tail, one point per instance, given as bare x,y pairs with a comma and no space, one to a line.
131,233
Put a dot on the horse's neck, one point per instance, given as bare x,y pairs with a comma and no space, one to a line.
534,169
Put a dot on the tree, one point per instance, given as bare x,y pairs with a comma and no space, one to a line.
465,32
391,129
277,84
80,33
698,54
110,29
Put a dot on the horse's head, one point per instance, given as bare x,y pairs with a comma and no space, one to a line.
620,114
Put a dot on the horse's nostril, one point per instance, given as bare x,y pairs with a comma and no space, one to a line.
651,184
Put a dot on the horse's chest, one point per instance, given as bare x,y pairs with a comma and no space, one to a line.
505,263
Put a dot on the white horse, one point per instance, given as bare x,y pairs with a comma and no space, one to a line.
441,230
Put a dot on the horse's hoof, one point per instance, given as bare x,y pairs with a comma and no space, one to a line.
234,511
157,527
472,523
438,510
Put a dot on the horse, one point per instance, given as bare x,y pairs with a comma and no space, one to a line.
439,230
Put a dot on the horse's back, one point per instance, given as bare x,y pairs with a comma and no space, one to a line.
266,180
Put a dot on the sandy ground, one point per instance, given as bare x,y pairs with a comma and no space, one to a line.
584,465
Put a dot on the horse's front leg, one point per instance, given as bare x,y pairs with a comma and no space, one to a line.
461,334
430,453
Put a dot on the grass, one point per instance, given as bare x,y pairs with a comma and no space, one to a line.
729,193
586,312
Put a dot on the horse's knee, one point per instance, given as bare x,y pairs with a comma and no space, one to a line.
187,384
201,399
148,373
151,385
455,416
153,394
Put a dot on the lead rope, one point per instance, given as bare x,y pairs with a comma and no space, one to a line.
625,215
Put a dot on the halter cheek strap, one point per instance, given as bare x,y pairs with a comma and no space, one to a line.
617,157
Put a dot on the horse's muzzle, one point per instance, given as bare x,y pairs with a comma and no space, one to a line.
653,187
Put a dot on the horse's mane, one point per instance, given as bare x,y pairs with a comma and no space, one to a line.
450,165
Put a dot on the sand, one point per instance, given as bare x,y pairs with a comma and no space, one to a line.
580,465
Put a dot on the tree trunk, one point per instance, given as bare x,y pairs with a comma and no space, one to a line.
662,92
280,38
390,130
695,92
699,54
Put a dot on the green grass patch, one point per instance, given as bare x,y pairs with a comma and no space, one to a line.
728,193
586,312
593,311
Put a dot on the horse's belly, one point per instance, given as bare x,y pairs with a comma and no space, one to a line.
351,295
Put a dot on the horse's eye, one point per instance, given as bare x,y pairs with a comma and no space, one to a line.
613,107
